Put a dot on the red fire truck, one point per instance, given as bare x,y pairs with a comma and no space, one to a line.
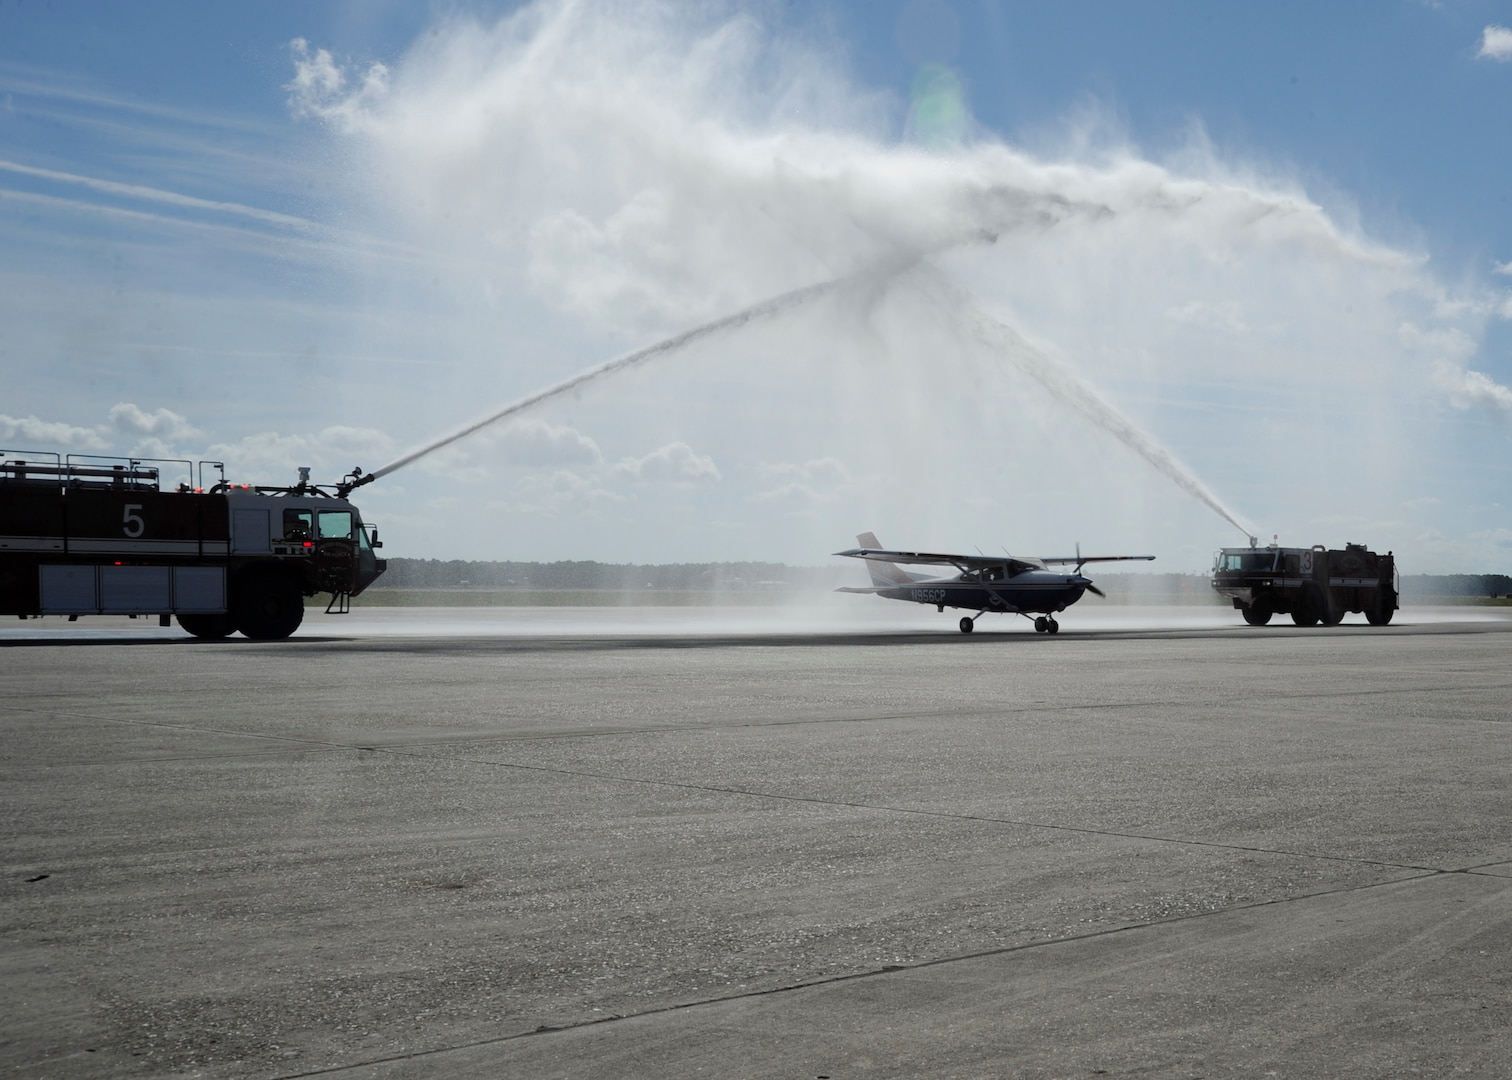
86,535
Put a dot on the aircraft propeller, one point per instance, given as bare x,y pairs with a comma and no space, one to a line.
1091,588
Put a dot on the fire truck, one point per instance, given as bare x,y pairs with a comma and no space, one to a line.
88,535
1314,585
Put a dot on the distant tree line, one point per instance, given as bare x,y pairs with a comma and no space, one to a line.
761,576
461,574
1456,585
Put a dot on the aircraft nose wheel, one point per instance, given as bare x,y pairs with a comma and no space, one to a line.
967,625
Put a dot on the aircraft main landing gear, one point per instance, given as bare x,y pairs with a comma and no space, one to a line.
967,625
1046,625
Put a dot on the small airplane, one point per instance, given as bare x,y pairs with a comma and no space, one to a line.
1010,584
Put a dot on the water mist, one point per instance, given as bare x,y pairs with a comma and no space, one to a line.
618,172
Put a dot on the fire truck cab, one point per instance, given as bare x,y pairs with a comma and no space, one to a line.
99,536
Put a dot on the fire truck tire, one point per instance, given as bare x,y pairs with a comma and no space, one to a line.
1305,613
210,627
1380,610
1257,614
269,607
1330,611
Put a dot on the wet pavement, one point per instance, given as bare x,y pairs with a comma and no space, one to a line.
381,849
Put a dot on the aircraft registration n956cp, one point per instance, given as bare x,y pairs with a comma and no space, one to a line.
1009,584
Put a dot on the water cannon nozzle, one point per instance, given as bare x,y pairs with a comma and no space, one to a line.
354,479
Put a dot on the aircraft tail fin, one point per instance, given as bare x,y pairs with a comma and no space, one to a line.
882,573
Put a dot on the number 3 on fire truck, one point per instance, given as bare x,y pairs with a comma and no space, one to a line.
132,523
1307,562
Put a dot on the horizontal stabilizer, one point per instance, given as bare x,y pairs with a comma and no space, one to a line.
884,573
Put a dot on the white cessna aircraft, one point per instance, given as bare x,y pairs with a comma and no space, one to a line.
1011,584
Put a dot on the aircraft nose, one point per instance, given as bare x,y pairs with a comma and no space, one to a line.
1086,583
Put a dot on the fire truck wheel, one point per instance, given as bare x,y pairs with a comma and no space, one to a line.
207,626
1306,611
269,607
1257,614
1379,612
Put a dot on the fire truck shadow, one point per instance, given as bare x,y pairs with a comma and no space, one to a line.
58,641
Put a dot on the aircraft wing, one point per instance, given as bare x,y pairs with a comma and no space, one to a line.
1017,563
960,562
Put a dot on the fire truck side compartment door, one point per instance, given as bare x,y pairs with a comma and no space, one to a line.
199,588
136,590
68,590
249,532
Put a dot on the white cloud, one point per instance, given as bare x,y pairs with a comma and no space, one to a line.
821,480
48,435
524,443
1501,268
161,433
535,443
331,453
1473,389
675,463
549,494
320,86
1496,43
163,425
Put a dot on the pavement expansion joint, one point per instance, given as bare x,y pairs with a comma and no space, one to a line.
922,812
881,971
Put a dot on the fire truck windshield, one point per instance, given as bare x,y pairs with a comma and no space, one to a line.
336,524
1247,561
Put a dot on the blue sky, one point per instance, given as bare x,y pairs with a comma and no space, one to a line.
1271,240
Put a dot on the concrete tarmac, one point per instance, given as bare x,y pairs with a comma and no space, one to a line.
1159,850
